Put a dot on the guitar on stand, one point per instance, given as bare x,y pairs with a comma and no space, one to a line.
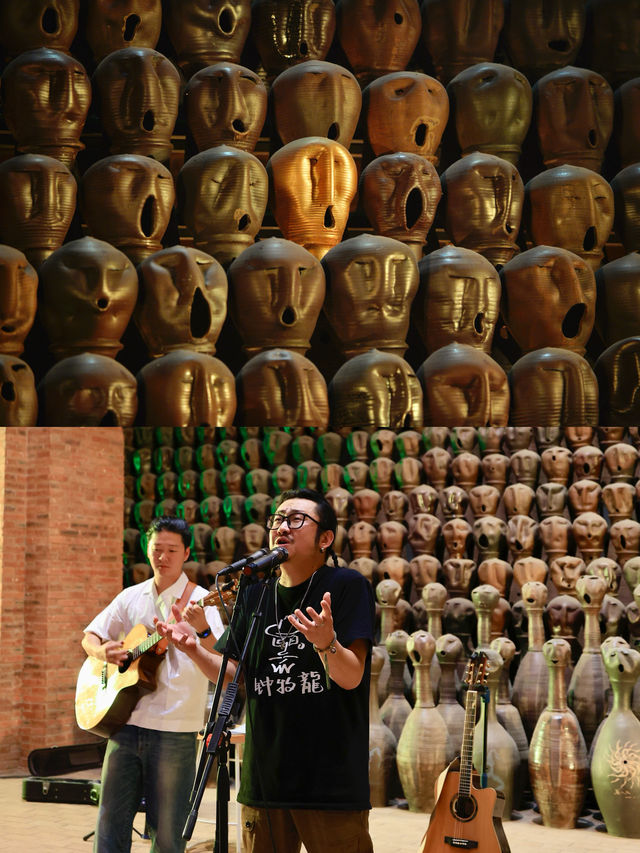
106,694
466,816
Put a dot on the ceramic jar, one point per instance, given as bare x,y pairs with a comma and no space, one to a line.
312,183
482,201
371,283
138,93
46,96
285,286
491,107
88,290
458,299
225,104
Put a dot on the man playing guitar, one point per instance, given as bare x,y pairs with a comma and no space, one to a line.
153,755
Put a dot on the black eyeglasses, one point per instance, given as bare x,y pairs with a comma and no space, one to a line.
294,520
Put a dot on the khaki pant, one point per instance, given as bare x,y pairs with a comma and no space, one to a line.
284,830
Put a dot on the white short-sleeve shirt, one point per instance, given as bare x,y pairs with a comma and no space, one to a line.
178,702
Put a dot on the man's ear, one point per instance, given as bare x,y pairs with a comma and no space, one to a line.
326,539
187,551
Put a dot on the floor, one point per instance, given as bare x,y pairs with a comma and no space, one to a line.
52,827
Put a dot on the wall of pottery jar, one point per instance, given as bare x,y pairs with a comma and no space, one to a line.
521,543
327,215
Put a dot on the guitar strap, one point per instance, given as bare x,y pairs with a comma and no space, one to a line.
186,595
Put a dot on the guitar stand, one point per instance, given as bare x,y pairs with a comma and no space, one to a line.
217,737
144,835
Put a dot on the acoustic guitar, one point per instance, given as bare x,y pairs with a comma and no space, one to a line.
106,693
466,817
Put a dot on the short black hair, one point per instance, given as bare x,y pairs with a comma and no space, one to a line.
326,514
173,525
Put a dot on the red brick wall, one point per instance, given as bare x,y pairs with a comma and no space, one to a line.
61,561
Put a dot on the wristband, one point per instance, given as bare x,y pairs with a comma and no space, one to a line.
330,648
205,633
324,652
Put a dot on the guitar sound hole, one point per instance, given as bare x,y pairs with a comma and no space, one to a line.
124,666
464,808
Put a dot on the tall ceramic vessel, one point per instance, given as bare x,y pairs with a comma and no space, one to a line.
396,707
509,715
423,745
558,761
382,741
388,592
449,651
615,765
530,684
588,686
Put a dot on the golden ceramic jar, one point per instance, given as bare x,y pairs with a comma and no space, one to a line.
618,374
38,23
312,182
222,198
334,93
570,207
373,389
287,33
554,387
113,25
538,40
626,128
626,195
19,401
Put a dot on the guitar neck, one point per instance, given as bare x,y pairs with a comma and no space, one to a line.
466,752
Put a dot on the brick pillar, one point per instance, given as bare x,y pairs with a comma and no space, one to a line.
61,562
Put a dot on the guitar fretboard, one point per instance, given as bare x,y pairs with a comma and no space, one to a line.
466,752
145,645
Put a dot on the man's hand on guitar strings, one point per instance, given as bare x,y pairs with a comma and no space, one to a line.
114,652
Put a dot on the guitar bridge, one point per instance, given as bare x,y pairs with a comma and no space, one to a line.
460,843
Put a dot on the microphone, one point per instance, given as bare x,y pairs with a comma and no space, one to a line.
241,563
267,562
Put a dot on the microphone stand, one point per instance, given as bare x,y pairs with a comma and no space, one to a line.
217,738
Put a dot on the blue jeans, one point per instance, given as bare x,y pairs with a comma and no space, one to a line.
159,766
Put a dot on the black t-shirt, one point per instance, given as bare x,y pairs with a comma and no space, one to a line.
306,746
